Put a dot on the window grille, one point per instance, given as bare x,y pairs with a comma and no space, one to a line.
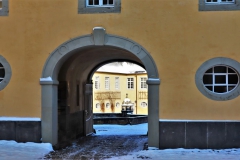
130,83
100,3
116,82
143,82
107,83
220,1
220,79
97,83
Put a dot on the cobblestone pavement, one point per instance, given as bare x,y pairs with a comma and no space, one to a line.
100,147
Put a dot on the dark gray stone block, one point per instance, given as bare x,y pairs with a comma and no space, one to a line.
196,135
28,131
172,135
232,138
216,135
7,130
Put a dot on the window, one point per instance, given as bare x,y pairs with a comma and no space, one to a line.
98,106
117,104
107,105
218,79
219,5
3,7
107,83
143,104
220,1
97,82
99,6
143,82
100,3
130,83
116,82
5,73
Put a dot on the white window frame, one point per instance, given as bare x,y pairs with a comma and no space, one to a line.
116,82
100,4
225,74
143,82
130,83
107,83
220,2
97,82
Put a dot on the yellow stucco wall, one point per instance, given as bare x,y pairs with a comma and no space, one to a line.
178,36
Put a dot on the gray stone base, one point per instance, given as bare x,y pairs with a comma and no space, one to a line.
20,131
199,134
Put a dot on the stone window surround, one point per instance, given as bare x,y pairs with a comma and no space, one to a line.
83,9
210,63
4,9
8,73
218,7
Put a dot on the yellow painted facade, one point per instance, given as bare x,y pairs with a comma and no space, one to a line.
116,95
178,36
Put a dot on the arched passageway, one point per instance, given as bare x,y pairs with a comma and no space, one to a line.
71,67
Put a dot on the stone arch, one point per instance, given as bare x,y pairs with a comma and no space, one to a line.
99,38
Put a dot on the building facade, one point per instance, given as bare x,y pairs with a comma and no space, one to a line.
110,90
49,51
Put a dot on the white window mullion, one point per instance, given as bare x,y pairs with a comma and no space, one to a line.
227,79
213,79
100,2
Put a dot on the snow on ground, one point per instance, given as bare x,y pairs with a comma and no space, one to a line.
183,154
140,129
11,150
19,119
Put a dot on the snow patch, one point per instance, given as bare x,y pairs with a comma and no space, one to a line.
19,119
46,79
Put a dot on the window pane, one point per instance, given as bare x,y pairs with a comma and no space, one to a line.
207,79
231,88
96,2
209,71
220,89
231,70
220,69
232,79
105,2
209,88
2,73
110,1
90,2
220,79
